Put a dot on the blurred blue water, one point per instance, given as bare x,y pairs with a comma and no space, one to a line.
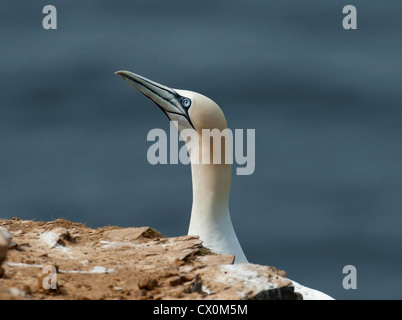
325,103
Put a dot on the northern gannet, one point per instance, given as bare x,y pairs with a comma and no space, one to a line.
210,217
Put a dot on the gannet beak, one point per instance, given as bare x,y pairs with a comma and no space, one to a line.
166,98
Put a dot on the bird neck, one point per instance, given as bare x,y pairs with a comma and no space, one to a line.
211,182
211,189
210,218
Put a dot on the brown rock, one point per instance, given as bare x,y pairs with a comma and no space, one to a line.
54,237
128,263
195,286
130,234
148,283
180,280
216,259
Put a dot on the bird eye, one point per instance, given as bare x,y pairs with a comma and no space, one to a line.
186,102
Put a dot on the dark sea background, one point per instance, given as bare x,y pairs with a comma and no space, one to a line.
326,104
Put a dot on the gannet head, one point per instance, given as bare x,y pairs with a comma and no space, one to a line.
190,110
